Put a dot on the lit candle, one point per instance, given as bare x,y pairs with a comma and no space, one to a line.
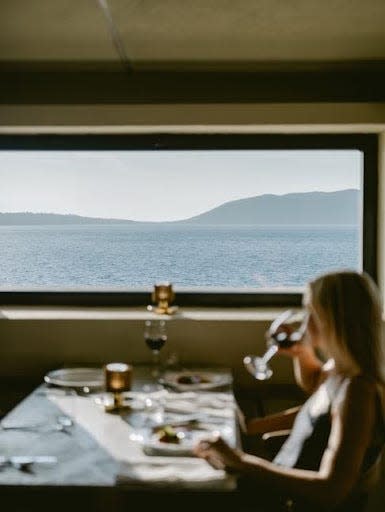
118,377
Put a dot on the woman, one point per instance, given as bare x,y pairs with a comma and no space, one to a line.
336,437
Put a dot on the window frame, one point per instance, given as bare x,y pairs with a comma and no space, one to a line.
367,143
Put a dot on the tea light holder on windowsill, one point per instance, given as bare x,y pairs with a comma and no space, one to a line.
118,379
162,296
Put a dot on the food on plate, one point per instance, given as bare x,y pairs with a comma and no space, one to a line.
168,434
193,378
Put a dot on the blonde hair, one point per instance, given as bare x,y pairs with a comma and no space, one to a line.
349,307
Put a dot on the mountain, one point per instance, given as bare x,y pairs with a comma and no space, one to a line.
339,208
28,218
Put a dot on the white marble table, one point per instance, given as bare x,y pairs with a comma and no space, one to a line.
103,449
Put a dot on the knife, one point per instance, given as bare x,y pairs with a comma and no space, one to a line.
190,420
23,460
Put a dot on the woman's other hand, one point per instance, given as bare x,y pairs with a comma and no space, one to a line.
220,455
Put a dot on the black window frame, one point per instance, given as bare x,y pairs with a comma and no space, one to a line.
367,143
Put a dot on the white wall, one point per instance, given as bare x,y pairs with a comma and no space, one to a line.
31,347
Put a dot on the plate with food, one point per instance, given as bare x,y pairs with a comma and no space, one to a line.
174,440
190,380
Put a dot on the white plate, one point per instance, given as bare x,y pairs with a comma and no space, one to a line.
210,380
182,449
155,447
76,377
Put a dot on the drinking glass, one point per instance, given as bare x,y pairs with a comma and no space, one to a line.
276,338
155,335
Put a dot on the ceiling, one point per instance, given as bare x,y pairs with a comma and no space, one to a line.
178,34
201,51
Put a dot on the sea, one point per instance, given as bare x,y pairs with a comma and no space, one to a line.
117,256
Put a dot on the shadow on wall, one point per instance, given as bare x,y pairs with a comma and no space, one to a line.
36,346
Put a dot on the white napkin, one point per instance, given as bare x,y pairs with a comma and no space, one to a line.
220,405
186,473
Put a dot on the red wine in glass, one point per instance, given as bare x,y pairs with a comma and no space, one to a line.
276,339
155,336
156,343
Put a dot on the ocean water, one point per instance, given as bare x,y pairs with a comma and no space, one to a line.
116,256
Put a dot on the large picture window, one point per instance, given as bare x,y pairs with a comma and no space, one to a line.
228,219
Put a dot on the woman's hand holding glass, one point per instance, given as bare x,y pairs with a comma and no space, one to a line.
295,332
284,336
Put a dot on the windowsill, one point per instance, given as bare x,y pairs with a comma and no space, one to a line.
133,314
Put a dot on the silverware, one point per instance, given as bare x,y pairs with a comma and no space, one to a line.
62,424
24,462
28,428
79,391
191,420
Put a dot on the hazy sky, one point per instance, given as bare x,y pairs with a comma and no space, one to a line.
164,185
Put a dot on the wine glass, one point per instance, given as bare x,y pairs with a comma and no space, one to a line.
276,339
155,335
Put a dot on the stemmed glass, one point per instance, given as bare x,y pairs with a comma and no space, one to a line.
155,335
277,338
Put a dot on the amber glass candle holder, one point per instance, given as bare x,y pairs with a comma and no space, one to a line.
118,379
163,296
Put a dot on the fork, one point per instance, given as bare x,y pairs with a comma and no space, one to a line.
62,424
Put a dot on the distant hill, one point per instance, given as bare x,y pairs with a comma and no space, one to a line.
340,208
337,208
31,219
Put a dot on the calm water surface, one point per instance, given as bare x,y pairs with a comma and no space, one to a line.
188,256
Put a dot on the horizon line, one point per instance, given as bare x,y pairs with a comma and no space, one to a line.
121,219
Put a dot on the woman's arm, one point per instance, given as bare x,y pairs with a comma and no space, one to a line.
309,373
280,421
352,425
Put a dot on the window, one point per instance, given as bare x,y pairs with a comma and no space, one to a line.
228,219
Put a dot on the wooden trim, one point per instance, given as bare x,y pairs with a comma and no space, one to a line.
79,87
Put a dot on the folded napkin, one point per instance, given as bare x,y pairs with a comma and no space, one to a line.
175,472
219,405
209,399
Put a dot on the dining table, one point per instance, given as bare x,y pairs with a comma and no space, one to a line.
62,447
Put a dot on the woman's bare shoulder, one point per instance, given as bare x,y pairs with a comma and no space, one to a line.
358,392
